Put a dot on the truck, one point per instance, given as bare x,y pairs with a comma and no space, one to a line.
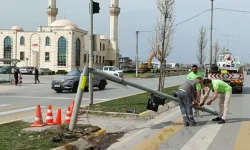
227,69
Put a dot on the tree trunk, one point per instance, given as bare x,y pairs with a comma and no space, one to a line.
163,74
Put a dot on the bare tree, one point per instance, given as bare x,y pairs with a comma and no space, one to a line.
223,50
216,51
161,43
202,43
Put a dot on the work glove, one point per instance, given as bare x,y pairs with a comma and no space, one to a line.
209,102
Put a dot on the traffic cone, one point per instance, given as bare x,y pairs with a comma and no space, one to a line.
59,117
49,119
68,116
38,119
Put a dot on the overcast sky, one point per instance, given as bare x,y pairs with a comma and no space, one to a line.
141,15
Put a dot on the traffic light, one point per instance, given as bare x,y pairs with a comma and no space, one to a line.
96,8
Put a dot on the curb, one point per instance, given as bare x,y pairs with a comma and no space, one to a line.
144,115
80,143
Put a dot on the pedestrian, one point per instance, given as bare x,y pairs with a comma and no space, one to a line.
16,73
188,93
225,91
36,75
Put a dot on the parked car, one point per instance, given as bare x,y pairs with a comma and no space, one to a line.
6,69
43,71
71,80
26,70
248,71
113,70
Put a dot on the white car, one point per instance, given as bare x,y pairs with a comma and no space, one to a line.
113,70
26,70
43,71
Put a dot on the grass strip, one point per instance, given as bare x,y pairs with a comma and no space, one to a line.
12,137
136,102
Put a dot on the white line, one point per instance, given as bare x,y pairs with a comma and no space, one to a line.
17,110
3,105
203,138
50,97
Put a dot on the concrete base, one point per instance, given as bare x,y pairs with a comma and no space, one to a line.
77,145
36,129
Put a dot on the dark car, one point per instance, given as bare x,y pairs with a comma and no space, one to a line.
71,80
248,71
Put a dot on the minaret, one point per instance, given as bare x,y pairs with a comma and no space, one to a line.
114,13
52,11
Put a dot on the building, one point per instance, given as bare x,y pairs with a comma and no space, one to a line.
60,45
125,62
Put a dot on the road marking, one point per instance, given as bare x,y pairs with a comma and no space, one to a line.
204,137
153,142
242,141
11,107
50,97
17,110
141,131
3,105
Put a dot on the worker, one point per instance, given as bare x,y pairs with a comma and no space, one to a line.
225,91
186,96
195,73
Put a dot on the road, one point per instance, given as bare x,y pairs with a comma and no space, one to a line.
21,101
166,131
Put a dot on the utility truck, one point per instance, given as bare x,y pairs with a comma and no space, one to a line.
227,69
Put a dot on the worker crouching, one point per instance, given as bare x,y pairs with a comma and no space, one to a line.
188,93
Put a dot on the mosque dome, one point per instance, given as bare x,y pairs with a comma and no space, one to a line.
103,37
63,23
70,27
18,28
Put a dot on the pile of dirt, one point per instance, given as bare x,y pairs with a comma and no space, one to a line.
86,132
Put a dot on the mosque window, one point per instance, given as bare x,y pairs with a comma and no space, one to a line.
103,47
47,41
100,46
85,58
78,52
100,59
46,56
22,40
61,55
22,56
7,48
88,58
96,60
103,59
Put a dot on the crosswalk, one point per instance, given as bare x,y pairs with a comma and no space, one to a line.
234,135
10,112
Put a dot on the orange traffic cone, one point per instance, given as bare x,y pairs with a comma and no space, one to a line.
68,116
38,119
49,119
59,117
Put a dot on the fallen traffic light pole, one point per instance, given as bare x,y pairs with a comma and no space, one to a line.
157,98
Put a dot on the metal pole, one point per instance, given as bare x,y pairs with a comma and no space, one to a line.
91,46
78,99
137,34
156,93
227,42
211,33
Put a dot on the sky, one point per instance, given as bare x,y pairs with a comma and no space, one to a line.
141,15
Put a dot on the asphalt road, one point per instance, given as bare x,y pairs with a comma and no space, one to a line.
21,101
166,131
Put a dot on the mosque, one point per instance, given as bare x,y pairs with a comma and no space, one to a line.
61,45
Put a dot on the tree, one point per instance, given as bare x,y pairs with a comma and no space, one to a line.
216,52
202,43
161,43
223,50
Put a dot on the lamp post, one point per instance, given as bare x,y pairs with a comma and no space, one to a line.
211,33
227,35
137,39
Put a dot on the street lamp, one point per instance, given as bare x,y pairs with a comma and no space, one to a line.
227,35
137,36
211,33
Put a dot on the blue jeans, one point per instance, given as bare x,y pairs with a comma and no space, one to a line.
186,102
